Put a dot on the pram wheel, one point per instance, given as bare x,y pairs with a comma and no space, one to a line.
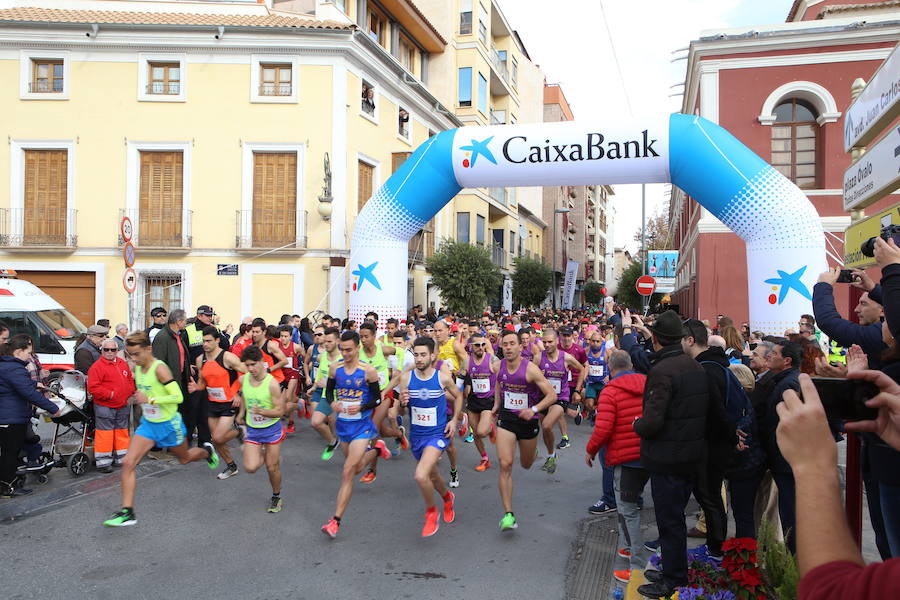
47,459
42,478
79,463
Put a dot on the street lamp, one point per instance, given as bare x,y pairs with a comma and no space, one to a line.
557,211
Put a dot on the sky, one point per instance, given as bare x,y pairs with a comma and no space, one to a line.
571,44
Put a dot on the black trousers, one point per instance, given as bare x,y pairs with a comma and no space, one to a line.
708,492
12,438
194,414
670,497
743,498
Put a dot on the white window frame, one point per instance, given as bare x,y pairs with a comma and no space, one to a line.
409,126
811,92
25,74
247,151
256,60
144,60
17,179
133,180
374,117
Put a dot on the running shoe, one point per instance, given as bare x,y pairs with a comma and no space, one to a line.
623,576
449,513
212,461
123,518
601,508
470,437
463,425
508,522
454,478
493,434
404,441
331,528
329,450
578,418
228,471
431,522
623,553
290,427
652,545
484,465
369,477
383,452
563,443
549,465
240,433
275,504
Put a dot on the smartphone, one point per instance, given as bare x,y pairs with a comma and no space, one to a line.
845,399
846,276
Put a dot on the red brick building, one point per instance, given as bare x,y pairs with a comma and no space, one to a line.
781,89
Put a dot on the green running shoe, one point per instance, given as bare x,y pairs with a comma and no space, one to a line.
329,450
123,518
508,522
212,461
550,465
275,505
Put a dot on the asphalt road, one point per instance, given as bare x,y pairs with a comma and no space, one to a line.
198,537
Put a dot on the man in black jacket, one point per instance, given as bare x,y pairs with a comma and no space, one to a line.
866,333
673,446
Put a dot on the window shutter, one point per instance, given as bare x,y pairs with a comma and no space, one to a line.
46,201
274,199
160,199
366,175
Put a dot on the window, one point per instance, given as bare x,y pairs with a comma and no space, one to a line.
164,78
366,184
275,79
368,98
465,17
482,24
377,25
502,56
462,227
160,197
479,229
498,117
465,86
794,142
274,199
512,242
403,128
161,290
514,70
407,56
482,94
47,76
46,197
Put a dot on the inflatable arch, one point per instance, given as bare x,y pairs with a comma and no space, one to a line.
781,228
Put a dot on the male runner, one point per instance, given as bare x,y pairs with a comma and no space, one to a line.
402,360
261,410
555,366
597,371
451,352
391,326
576,395
322,420
375,354
353,392
219,371
425,390
291,384
480,386
161,425
517,402
272,354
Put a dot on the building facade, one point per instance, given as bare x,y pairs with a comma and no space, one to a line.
781,89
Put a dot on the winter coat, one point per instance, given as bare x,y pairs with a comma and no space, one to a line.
620,403
111,383
18,392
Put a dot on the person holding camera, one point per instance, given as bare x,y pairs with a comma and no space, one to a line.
866,333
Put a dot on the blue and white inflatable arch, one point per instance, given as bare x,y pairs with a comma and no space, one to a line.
784,237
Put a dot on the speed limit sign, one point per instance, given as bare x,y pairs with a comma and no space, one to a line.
129,280
127,229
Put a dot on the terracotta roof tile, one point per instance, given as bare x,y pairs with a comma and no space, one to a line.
828,10
172,18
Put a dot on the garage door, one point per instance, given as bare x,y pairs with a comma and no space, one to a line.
72,289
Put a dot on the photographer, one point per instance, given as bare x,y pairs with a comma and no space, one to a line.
867,333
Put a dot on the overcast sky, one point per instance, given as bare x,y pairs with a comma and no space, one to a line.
570,43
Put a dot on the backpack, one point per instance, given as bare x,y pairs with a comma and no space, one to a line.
740,413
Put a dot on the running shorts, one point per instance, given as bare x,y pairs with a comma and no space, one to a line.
166,434
478,405
322,405
352,430
220,409
524,430
592,390
417,445
265,436
563,403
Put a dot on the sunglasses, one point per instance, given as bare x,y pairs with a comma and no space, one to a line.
429,331
109,350
481,345
160,315
315,334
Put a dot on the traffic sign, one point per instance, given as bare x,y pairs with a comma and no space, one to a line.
128,254
876,106
875,175
126,228
645,285
129,280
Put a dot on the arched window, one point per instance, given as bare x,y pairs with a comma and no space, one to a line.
794,140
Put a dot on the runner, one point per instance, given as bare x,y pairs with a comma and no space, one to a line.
517,401
353,392
272,354
425,390
291,384
402,360
391,326
261,411
555,366
576,395
375,354
598,372
451,352
219,371
322,420
480,386
161,425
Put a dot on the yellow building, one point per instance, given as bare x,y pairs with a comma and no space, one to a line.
239,138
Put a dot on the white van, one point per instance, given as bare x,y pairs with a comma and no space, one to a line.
27,309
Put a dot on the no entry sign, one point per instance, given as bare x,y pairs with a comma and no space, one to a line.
645,285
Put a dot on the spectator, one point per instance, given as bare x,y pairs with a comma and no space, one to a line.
88,352
867,333
171,346
160,318
672,429
619,406
734,346
111,385
103,323
121,332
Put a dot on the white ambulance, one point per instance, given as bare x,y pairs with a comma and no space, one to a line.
26,309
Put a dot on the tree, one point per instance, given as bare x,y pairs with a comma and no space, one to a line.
531,281
592,294
465,275
657,232
627,294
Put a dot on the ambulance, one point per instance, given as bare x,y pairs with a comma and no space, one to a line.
26,309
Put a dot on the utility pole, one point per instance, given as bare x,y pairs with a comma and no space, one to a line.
645,300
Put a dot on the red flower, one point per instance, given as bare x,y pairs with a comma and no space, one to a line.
739,544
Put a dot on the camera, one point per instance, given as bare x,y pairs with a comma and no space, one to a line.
887,232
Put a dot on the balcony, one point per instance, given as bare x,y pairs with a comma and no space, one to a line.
160,228
275,89
52,229
273,229
498,117
501,83
43,86
498,194
498,256
417,248
164,88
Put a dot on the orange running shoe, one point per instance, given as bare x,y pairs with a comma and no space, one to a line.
290,427
331,528
383,452
484,465
404,441
623,576
449,513
431,522
369,477
493,434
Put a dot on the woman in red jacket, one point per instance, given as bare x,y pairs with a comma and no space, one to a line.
111,384
620,403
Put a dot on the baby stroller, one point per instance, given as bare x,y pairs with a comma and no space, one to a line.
74,422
